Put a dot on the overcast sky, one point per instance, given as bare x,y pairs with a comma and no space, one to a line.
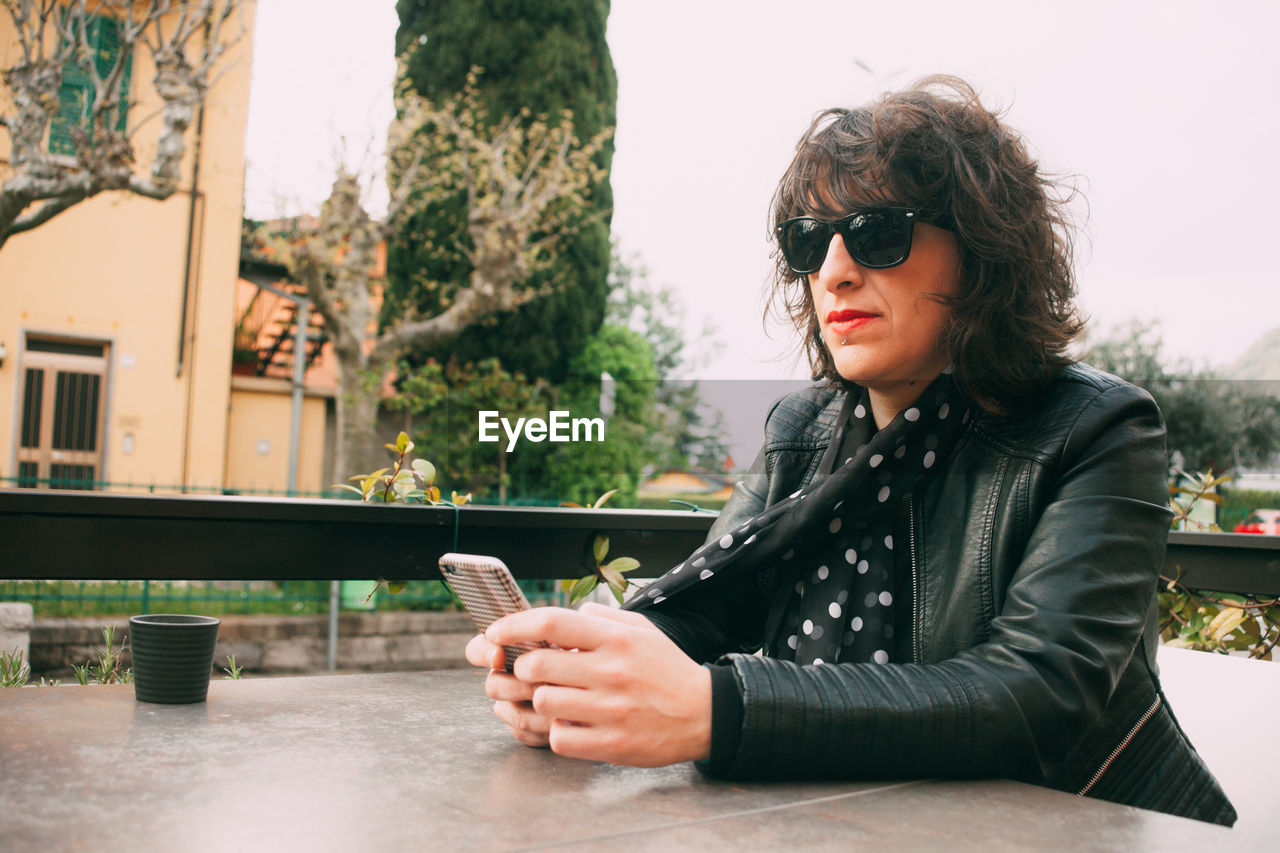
1166,110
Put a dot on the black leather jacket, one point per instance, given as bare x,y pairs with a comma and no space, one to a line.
1034,562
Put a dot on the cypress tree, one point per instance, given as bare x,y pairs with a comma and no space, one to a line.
548,56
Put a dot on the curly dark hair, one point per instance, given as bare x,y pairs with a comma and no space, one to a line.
933,146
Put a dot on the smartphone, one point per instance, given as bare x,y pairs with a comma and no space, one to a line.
488,592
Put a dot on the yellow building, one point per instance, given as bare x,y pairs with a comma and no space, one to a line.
261,415
117,316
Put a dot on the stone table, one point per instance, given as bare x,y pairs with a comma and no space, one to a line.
413,761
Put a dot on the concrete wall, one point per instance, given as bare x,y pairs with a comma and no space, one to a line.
279,645
15,628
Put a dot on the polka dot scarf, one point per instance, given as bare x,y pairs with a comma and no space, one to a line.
832,542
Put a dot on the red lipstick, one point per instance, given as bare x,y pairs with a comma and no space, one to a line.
847,314
844,322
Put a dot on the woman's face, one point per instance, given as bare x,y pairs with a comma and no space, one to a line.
881,326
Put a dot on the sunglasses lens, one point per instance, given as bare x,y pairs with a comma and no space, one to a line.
879,239
804,244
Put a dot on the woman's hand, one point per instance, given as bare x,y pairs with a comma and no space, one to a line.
614,689
513,699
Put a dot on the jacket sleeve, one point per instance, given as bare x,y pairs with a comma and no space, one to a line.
1015,705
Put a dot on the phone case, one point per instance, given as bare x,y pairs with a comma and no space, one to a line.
488,592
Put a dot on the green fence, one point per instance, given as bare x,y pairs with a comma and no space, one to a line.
120,486
116,598
218,598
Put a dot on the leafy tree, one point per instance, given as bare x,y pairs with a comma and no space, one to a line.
523,183
659,417
1214,424
442,403
582,471
71,72
694,436
540,58
654,420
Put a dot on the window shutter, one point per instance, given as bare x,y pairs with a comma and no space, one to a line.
73,109
125,79
75,97
106,47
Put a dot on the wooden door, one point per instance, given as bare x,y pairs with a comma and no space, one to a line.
63,425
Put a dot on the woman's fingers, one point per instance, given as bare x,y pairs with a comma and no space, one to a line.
515,708
540,741
613,687
507,688
605,743
513,697
528,726
557,666
481,652
627,617
567,703
559,626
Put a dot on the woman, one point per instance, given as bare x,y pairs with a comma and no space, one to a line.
948,552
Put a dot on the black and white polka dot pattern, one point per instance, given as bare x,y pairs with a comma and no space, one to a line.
834,538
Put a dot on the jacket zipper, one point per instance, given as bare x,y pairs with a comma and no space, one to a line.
915,582
1115,753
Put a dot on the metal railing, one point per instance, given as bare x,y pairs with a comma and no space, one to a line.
48,535
96,536
204,542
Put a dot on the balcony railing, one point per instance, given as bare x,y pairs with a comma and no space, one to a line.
78,536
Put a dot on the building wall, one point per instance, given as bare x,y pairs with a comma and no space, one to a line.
258,438
117,268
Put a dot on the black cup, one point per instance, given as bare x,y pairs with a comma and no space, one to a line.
172,657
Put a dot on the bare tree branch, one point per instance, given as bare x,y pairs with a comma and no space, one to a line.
186,40
526,185
43,213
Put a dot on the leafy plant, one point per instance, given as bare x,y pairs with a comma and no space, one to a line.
611,573
1183,498
414,483
107,668
81,673
232,671
1213,621
14,672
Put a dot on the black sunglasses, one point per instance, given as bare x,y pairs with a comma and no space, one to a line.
877,239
